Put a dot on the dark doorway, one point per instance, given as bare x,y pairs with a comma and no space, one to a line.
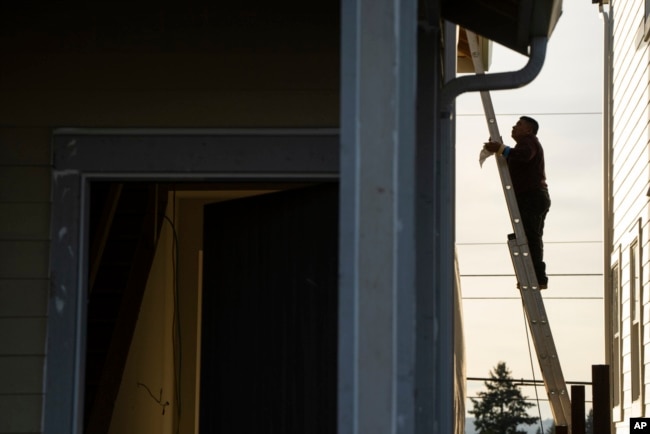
269,333
125,221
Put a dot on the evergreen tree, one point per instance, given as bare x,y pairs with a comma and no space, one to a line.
549,430
502,408
589,422
589,425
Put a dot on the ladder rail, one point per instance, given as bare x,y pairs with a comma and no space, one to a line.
522,262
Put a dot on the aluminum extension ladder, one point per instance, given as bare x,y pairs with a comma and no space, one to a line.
525,272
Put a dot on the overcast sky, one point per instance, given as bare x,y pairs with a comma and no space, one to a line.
566,99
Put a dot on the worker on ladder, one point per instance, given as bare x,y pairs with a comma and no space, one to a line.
527,170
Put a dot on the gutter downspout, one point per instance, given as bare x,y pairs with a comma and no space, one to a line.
500,80
444,175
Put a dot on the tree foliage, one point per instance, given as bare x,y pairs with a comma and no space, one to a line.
501,408
589,422
549,430
589,425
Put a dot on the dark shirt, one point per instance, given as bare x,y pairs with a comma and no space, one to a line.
526,164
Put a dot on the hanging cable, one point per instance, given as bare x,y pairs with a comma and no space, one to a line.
532,369
176,323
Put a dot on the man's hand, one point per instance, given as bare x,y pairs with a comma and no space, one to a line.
492,146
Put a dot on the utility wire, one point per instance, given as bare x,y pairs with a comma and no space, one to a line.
499,243
587,401
536,114
552,274
545,298
526,382
532,367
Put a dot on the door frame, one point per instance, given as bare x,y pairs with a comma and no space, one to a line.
80,156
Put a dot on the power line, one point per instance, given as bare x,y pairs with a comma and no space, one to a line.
552,274
494,243
476,397
524,382
537,114
519,298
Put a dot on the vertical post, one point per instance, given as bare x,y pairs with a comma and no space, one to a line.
601,399
377,231
432,399
577,409
66,308
443,269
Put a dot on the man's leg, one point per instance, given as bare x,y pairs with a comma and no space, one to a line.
533,208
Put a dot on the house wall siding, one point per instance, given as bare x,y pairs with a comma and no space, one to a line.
55,78
631,170
24,251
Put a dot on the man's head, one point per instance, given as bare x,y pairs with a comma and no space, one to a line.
525,126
